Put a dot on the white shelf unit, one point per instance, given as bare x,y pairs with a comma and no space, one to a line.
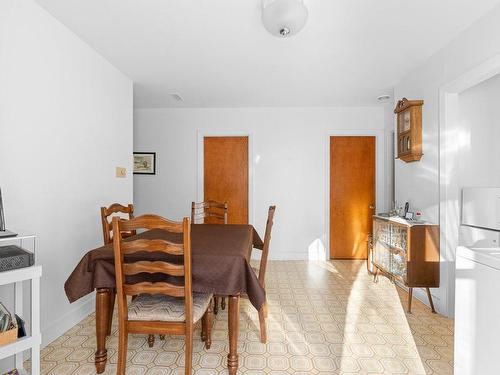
33,340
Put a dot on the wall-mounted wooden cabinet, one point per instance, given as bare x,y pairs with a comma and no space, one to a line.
407,252
409,129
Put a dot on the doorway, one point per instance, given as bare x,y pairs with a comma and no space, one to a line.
225,174
352,195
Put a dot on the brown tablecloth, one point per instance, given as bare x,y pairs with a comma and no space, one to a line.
220,263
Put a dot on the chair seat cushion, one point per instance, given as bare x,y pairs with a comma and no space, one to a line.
147,307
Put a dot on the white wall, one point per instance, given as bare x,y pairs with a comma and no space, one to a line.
479,124
289,150
478,129
418,182
65,124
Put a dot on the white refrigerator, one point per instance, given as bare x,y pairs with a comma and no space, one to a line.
477,311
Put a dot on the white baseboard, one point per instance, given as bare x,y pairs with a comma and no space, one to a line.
281,256
289,256
68,320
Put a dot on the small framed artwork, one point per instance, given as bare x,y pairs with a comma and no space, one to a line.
409,216
144,162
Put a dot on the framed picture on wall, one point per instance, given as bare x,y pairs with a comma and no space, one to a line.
144,162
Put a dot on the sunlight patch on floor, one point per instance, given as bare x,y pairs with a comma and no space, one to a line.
324,318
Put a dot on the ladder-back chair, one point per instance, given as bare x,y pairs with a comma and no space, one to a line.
160,307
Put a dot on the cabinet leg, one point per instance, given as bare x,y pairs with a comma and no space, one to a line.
375,275
410,297
430,300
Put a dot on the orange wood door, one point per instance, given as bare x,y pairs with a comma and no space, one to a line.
352,195
226,175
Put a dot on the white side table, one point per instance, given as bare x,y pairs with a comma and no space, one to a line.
33,339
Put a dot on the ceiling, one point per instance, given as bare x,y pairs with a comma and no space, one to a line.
216,53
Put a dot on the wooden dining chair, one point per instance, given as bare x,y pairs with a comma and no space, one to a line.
216,213
261,272
160,307
107,213
210,212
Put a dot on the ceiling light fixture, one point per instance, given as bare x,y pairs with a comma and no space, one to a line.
284,18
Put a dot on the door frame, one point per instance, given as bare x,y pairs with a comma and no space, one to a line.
380,156
200,135
449,195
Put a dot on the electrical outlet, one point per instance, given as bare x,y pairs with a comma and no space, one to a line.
121,172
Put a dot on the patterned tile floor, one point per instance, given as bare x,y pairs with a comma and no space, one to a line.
324,318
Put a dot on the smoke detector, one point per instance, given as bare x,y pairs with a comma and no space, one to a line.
383,98
177,97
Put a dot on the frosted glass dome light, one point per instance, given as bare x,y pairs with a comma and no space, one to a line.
284,18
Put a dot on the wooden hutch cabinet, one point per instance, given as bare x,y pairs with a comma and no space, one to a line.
407,252
409,129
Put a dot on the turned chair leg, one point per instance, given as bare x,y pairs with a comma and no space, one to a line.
216,305
151,340
223,303
204,328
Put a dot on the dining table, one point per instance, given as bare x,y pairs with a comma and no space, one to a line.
220,265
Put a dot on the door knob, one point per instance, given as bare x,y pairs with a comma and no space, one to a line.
372,207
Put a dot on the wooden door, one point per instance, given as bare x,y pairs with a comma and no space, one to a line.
226,175
352,195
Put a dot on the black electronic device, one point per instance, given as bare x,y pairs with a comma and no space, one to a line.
13,257
3,232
